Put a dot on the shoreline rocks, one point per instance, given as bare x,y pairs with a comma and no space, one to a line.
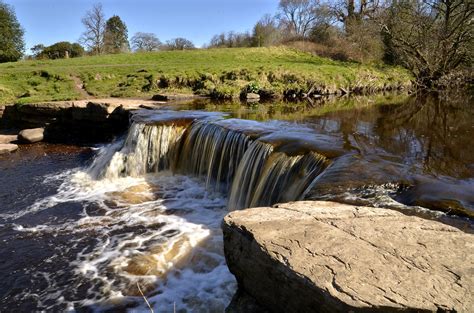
7,148
8,139
166,97
31,135
82,121
322,256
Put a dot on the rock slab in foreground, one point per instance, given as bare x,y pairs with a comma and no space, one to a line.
322,256
31,135
7,148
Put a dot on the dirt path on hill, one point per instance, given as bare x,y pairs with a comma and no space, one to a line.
79,87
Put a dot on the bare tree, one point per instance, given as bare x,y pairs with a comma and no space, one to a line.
266,32
145,42
353,11
179,44
93,36
431,37
298,16
218,41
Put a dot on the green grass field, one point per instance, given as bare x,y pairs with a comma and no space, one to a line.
221,73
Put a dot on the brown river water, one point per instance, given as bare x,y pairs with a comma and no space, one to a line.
82,227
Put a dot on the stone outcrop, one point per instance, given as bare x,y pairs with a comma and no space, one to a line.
313,256
7,148
94,120
31,135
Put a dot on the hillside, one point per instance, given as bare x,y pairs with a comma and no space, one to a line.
221,73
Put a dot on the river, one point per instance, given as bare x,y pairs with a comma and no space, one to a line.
93,228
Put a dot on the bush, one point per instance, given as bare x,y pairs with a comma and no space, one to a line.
61,50
336,52
225,92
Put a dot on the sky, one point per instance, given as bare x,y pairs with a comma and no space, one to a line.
50,21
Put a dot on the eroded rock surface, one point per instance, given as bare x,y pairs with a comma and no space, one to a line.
322,256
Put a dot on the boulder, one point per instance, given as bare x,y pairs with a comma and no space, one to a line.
31,135
8,138
7,148
323,256
252,96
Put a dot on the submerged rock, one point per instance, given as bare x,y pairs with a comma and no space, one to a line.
7,148
31,135
322,256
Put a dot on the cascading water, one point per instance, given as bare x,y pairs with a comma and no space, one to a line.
213,152
147,148
232,161
82,237
151,205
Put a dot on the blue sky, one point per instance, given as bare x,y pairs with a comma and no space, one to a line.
50,21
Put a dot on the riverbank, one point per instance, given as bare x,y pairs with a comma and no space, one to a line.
218,73
81,121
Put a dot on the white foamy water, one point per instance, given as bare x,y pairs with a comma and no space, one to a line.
160,231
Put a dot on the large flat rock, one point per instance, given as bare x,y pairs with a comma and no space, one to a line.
322,256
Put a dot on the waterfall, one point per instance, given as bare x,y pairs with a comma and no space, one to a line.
251,172
214,152
147,148
266,177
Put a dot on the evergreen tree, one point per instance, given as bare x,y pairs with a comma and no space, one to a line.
11,35
116,36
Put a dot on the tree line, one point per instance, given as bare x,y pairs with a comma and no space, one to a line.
431,38
111,36
100,36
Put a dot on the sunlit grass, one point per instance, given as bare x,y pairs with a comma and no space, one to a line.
220,71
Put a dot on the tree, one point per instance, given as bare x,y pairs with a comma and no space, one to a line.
218,41
93,36
61,50
146,42
179,44
11,35
430,37
266,32
231,40
298,16
116,36
354,11
37,49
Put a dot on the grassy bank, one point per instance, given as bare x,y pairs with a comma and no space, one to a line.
221,73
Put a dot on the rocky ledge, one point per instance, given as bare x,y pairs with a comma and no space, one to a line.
70,121
322,256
